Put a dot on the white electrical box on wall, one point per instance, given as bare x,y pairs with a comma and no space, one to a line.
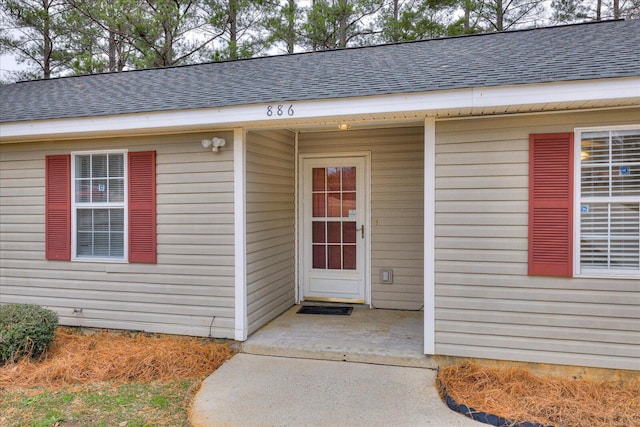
386,275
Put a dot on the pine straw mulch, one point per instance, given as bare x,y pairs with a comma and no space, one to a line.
76,358
519,396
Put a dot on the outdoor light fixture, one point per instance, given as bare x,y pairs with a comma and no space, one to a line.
344,126
214,143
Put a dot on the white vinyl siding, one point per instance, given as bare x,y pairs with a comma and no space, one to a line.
270,225
397,208
609,201
191,288
486,304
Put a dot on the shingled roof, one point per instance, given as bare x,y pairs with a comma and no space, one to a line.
607,49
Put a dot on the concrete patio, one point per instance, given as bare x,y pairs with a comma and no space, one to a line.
386,337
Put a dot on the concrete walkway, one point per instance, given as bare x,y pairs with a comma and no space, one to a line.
252,390
366,369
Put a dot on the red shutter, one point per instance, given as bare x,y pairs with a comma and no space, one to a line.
551,204
58,207
142,207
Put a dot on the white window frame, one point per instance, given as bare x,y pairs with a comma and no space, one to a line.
578,271
74,208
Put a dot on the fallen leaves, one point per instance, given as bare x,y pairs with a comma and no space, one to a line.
76,358
517,395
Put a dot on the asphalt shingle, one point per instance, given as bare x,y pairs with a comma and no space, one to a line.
606,49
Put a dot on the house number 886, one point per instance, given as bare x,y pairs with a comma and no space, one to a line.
279,110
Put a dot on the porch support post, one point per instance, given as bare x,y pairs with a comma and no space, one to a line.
429,234
296,204
240,232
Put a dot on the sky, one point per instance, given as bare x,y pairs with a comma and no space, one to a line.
7,64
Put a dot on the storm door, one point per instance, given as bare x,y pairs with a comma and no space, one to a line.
333,229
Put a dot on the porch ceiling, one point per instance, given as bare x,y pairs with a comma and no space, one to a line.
405,118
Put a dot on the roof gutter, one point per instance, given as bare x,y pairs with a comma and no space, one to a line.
396,108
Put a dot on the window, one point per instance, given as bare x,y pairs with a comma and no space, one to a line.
101,206
608,201
98,219
593,212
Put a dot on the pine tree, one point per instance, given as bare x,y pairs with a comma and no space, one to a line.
36,31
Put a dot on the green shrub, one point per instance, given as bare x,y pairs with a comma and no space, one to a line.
25,330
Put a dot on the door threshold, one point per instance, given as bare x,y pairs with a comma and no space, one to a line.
343,300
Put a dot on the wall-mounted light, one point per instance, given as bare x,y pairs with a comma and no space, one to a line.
214,143
344,126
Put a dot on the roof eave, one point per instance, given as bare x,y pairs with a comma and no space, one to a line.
395,108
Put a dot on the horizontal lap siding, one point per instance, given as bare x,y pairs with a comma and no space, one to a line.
397,213
190,289
270,225
486,304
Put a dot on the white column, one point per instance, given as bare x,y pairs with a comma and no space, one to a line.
429,234
296,204
240,232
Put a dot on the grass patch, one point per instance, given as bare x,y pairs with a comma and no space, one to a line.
108,379
102,404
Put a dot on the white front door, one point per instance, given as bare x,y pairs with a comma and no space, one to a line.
333,220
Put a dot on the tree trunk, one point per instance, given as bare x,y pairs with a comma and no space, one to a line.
396,17
47,46
112,52
291,26
467,16
499,16
233,29
342,24
167,52
616,9
599,10
122,61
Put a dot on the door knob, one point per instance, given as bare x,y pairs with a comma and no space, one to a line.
361,230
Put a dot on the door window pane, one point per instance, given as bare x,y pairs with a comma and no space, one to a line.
319,256
319,179
333,232
319,232
349,254
334,196
348,204
335,257
349,232
333,210
349,178
333,179
319,207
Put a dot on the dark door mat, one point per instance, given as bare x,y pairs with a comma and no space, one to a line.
321,309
